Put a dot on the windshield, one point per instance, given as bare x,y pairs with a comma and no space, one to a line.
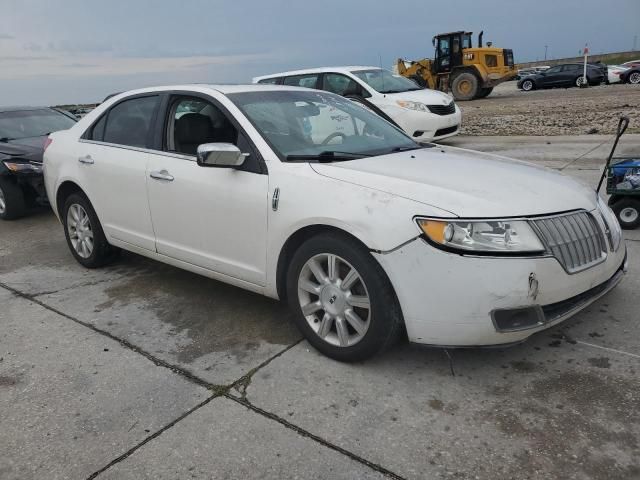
301,125
32,123
383,81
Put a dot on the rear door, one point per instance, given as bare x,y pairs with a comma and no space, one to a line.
113,156
215,218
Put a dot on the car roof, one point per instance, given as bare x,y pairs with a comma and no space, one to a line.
342,69
225,89
21,108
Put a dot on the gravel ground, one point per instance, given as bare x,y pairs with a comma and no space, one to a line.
560,111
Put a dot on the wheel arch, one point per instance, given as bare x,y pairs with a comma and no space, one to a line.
295,240
66,188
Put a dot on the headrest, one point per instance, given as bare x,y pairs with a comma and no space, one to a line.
193,128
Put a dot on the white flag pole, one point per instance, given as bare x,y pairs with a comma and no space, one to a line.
585,81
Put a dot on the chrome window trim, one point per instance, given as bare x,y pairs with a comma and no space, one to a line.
181,156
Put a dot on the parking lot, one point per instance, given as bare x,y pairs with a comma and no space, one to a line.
141,370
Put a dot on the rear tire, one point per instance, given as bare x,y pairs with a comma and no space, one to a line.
634,78
580,82
12,201
627,211
484,92
84,234
464,86
350,309
528,85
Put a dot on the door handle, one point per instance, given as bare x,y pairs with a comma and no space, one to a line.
161,175
87,160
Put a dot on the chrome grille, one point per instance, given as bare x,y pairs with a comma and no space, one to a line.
442,109
575,240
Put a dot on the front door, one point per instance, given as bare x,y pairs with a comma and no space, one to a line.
211,217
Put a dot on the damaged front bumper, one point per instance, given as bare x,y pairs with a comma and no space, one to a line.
449,299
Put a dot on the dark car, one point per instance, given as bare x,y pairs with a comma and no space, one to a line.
23,134
631,76
566,75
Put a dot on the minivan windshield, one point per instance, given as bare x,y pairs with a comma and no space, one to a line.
319,126
383,81
18,124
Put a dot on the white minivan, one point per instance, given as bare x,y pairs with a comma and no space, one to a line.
424,114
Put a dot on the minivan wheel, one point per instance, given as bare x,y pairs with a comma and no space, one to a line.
527,85
12,201
628,212
84,234
343,302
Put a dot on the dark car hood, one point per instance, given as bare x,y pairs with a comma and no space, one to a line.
27,148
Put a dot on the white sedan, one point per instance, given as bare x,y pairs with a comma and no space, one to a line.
614,72
305,196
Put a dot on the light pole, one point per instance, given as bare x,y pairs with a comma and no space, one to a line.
545,52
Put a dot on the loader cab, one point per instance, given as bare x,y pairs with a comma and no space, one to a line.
449,47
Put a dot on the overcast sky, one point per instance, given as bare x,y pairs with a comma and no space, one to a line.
68,51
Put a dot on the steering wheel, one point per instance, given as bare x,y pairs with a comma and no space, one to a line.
332,136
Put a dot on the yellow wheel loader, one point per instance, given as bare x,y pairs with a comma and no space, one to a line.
458,67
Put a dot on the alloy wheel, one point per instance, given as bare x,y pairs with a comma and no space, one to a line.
80,231
580,81
634,78
527,85
629,214
3,202
334,300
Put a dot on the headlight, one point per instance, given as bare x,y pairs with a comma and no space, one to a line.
23,167
420,107
486,236
614,233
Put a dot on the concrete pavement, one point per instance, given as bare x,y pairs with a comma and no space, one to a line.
141,370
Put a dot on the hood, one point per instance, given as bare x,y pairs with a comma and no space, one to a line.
426,96
27,148
467,184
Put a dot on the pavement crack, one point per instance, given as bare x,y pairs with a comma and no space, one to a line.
124,343
157,433
244,382
51,292
305,433
453,372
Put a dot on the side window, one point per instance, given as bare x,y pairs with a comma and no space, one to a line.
308,81
554,70
97,131
128,123
269,81
340,84
194,121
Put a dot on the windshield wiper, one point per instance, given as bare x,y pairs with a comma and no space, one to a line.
406,149
327,156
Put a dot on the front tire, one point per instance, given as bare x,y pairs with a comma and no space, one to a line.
464,86
627,211
12,201
84,234
343,301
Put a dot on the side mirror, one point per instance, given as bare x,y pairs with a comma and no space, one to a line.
221,155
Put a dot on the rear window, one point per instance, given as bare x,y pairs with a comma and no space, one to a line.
32,123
